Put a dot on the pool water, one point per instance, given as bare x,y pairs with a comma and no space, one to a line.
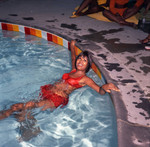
28,62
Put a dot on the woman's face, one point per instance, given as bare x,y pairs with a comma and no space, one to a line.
82,63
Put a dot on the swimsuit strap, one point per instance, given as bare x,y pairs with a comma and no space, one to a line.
74,70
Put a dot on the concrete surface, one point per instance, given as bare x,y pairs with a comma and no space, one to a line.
116,50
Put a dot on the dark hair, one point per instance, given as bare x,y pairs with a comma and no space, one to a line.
84,54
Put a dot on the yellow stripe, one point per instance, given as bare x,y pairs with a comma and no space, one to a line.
60,41
77,51
16,28
38,33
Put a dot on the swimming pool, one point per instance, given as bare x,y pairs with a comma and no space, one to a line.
26,63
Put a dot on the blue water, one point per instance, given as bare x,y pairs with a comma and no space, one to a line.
28,62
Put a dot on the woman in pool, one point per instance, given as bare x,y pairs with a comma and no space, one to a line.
57,94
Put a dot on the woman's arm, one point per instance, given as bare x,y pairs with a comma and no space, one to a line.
103,89
147,7
73,55
132,11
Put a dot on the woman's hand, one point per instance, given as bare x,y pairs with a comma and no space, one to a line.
130,12
108,87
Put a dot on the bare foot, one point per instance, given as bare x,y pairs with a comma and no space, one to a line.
5,113
145,41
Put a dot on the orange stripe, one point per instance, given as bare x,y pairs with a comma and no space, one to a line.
10,27
54,39
96,70
93,67
77,51
32,31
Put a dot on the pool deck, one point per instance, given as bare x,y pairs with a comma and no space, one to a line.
116,50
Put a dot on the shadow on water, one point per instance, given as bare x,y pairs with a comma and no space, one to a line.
28,126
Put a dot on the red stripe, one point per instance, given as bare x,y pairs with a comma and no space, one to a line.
49,37
69,46
4,26
27,30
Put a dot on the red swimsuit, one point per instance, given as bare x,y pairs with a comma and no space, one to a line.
55,98
72,81
58,100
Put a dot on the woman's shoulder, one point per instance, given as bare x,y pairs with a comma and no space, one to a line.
86,78
73,70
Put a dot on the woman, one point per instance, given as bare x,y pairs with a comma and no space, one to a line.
57,94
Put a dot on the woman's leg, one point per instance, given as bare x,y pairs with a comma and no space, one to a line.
130,12
117,18
84,4
92,10
111,16
146,40
92,7
45,104
6,113
14,108
33,104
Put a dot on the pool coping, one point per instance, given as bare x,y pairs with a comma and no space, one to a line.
123,125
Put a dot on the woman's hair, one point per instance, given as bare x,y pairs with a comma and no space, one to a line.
85,54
